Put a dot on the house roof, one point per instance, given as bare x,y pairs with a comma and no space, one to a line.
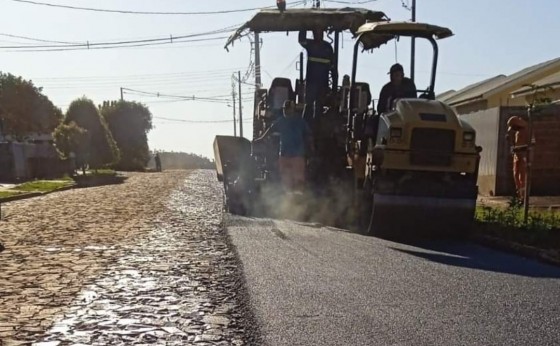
445,94
501,83
552,81
473,90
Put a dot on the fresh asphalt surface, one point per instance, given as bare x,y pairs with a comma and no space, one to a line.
311,285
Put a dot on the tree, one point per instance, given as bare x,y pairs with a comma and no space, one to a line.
70,138
101,149
24,109
129,123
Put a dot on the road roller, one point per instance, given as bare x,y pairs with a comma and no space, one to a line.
416,165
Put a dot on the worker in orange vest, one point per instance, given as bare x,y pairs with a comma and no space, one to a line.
518,136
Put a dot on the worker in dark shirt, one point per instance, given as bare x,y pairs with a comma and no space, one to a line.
319,65
295,140
157,158
399,87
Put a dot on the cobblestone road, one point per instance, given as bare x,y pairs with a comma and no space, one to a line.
145,262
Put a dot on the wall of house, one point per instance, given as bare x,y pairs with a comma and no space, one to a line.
472,107
21,151
486,123
6,162
25,161
505,100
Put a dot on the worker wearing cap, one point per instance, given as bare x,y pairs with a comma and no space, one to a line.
320,57
295,138
399,87
518,136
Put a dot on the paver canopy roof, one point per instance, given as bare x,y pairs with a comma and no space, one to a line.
373,35
330,19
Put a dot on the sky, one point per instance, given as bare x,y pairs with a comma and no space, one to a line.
491,37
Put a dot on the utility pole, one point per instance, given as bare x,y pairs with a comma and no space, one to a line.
258,42
258,81
529,158
233,97
413,43
122,94
240,105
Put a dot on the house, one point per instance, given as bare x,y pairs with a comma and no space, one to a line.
488,104
33,157
500,90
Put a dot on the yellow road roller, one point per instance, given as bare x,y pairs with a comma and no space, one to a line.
416,165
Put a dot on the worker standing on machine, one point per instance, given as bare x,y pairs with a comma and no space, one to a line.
320,56
295,137
518,136
399,87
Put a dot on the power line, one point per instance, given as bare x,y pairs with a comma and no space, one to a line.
351,2
35,39
225,71
68,46
123,43
406,5
181,97
91,45
113,47
199,121
140,12
87,43
198,81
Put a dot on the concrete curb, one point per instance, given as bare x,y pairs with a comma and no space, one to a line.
547,256
20,197
35,194
116,180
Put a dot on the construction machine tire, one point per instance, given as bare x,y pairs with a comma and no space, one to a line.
363,204
418,219
237,202
236,208
381,221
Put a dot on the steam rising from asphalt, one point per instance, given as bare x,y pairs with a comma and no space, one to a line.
332,206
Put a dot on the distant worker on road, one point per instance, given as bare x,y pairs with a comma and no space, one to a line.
158,162
518,137
320,56
399,87
295,137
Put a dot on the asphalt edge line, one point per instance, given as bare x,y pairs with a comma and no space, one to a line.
251,324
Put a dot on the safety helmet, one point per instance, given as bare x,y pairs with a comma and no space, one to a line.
516,122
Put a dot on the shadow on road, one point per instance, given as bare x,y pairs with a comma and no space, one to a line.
471,256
